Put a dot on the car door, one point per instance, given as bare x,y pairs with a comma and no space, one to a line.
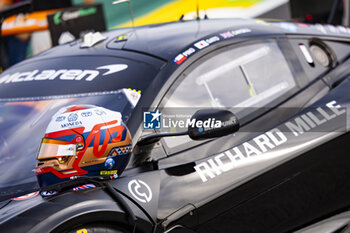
257,80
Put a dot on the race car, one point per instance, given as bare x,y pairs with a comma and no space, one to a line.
278,163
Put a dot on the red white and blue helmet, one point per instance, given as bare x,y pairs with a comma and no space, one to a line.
83,140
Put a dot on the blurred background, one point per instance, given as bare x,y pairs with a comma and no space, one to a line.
41,24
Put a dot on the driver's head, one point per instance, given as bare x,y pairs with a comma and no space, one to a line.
83,140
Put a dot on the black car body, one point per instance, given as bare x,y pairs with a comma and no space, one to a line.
286,169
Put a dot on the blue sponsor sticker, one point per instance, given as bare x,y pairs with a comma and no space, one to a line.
72,117
60,118
86,114
109,163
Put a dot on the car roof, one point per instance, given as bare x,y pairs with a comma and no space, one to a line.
167,40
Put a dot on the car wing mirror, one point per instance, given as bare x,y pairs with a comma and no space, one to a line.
212,123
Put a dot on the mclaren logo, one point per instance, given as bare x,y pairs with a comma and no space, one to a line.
63,74
112,68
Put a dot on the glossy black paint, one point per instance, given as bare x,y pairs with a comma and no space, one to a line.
307,189
305,182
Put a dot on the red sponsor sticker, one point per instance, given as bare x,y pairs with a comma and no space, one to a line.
25,197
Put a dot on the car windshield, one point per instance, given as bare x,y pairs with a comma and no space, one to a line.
23,123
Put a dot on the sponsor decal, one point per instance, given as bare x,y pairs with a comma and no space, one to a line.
69,15
152,120
201,44
109,163
230,34
179,59
289,27
212,40
112,68
86,186
90,161
62,74
140,191
189,51
183,56
99,112
71,124
133,95
254,149
48,193
205,43
25,197
103,173
227,160
60,118
226,35
86,114
72,117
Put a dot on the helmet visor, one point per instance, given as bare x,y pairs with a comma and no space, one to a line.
52,148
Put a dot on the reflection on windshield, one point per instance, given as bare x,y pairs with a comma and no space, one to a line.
23,124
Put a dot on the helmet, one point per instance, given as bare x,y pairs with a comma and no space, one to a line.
83,140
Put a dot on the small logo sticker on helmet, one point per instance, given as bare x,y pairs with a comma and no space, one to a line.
99,112
103,173
86,114
109,163
72,117
60,118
